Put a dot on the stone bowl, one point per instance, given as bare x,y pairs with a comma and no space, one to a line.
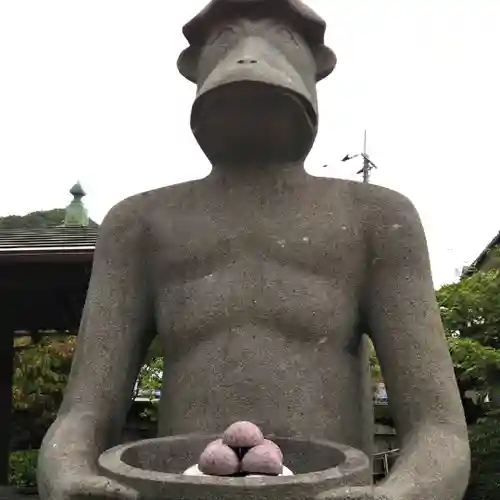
154,467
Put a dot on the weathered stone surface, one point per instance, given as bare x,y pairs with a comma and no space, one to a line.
262,282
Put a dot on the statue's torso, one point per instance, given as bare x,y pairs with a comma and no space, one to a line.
257,306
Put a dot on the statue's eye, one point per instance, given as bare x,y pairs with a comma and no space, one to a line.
287,35
222,35
220,41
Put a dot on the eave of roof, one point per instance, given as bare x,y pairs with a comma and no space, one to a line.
56,239
482,257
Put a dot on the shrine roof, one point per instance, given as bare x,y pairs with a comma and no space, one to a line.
56,239
495,242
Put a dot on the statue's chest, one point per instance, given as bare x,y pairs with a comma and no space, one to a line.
305,267
318,242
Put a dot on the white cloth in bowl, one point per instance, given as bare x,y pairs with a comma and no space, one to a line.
194,471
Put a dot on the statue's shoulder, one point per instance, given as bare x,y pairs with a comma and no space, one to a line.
367,200
381,202
134,214
389,218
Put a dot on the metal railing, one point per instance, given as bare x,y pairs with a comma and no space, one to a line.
386,459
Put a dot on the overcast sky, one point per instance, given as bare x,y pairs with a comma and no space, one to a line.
89,91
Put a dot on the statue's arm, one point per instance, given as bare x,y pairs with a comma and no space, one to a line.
114,335
404,322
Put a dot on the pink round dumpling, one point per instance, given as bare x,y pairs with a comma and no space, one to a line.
243,435
272,444
215,442
263,459
218,459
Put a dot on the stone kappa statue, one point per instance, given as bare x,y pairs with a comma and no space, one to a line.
262,282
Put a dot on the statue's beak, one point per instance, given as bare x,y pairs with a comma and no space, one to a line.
256,60
255,106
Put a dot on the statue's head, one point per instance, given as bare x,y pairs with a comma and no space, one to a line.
256,64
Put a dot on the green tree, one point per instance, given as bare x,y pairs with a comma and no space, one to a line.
484,440
37,220
149,386
40,375
470,310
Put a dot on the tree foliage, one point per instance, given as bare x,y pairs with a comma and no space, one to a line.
40,375
37,220
22,468
374,366
149,385
470,310
484,438
476,366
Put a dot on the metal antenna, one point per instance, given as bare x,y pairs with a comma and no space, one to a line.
368,165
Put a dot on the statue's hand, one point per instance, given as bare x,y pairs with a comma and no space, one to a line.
67,462
91,487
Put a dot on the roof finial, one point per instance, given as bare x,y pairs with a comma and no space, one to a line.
76,213
77,190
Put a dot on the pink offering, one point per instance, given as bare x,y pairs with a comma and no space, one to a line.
243,435
219,460
242,451
262,459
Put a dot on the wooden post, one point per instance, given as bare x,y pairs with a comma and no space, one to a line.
6,372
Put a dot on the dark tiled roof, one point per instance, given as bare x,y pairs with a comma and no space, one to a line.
56,238
482,256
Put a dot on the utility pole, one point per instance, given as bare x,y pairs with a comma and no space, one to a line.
368,165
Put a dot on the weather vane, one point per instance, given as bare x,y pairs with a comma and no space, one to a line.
368,165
